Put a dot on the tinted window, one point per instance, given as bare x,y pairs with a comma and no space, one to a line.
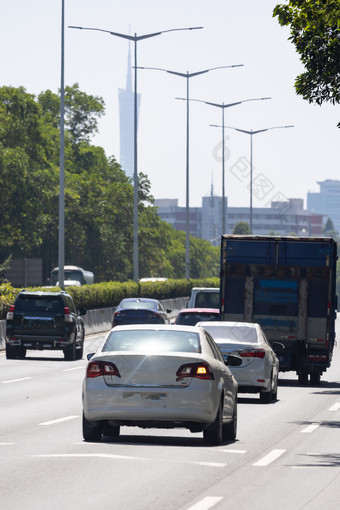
191,319
208,299
146,305
39,304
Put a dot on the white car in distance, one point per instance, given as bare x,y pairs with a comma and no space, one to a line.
259,370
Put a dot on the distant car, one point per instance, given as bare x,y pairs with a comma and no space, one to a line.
44,320
204,297
191,316
161,376
259,370
140,311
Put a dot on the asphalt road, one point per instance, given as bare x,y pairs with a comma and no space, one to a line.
286,456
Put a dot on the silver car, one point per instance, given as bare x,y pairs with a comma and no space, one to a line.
259,370
160,376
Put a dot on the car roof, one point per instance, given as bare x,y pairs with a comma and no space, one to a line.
140,299
155,327
38,293
229,324
199,310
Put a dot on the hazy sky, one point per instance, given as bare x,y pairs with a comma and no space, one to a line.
287,162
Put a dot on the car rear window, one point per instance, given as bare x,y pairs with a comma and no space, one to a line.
39,304
146,305
153,341
207,299
191,319
240,334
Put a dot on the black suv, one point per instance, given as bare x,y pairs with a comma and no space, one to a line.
44,320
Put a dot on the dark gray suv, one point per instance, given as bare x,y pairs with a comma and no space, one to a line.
44,320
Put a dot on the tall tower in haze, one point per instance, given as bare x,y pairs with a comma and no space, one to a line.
126,122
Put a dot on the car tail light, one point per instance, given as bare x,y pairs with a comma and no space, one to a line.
197,370
256,353
101,368
10,312
67,314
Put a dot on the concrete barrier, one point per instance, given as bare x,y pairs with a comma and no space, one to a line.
97,321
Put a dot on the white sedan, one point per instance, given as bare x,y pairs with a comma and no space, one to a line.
259,370
160,376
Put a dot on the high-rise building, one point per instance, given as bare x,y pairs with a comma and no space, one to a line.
126,122
327,201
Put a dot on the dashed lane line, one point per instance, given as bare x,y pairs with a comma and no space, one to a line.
59,420
16,380
334,407
310,428
206,503
268,459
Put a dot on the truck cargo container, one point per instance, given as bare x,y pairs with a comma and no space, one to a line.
288,286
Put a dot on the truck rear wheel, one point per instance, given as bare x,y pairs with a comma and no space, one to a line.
315,378
303,378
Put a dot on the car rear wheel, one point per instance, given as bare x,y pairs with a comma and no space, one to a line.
214,434
70,351
80,350
230,429
92,430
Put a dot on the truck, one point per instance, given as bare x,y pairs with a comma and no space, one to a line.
287,284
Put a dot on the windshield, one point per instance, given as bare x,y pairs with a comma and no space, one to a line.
153,341
69,274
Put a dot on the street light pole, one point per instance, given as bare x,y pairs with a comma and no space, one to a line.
61,232
135,38
251,133
223,106
188,75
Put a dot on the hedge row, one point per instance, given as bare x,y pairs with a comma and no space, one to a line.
109,294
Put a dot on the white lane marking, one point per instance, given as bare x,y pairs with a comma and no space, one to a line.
74,368
334,407
6,444
206,503
310,428
210,464
233,451
59,420
83,455
16,380
268,459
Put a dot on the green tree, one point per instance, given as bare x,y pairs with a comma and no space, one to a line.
314,28
241,228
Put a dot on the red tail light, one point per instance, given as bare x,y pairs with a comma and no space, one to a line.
256,353
10,313
101,368
66,310
197,370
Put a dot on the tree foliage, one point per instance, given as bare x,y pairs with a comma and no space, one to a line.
98,195
314,28
241,228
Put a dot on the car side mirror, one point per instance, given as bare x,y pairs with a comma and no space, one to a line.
89,356
168,311
82,311
278,347
232,360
